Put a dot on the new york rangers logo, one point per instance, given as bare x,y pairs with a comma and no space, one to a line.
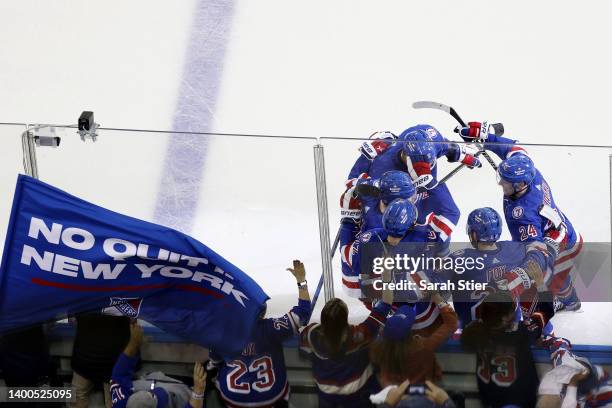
129,307
431,133
517,212
365,237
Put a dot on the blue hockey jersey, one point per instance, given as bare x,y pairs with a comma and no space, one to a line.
495,264
358,283
492,267
525,215
436,205
258,376
532,215
390,159
353,254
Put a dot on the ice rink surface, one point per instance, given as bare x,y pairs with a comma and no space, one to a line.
319,69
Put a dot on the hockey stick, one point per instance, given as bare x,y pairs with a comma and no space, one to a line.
498,128
451,111
320,284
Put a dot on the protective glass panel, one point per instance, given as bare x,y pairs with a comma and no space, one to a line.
251,199
578,180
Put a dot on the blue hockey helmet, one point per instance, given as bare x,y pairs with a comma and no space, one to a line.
517,168
418,147
395,184
399,217
486,223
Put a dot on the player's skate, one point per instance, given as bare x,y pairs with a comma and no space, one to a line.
568,304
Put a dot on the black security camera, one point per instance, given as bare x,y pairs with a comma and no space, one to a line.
86,121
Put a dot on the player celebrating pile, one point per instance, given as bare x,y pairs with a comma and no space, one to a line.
531,212
416,151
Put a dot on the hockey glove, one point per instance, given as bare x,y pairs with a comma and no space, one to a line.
516,281
350,205
556,239
463,154
378,143
475,131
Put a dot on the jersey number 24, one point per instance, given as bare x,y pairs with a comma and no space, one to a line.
527,231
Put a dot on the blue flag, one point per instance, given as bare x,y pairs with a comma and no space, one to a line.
64,255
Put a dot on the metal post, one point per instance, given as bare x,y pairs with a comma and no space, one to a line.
326,259
28,143
610,203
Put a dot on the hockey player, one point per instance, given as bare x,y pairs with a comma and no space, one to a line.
368,209
416,151
377,143
501,265
258,378
392,185
400,221
399,226
531,212
505,369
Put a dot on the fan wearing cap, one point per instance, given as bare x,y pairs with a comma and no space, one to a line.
148,393
531,211
401,354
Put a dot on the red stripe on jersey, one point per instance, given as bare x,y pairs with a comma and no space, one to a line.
572,255
347,254
516,149
436,221
421,168
349,284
